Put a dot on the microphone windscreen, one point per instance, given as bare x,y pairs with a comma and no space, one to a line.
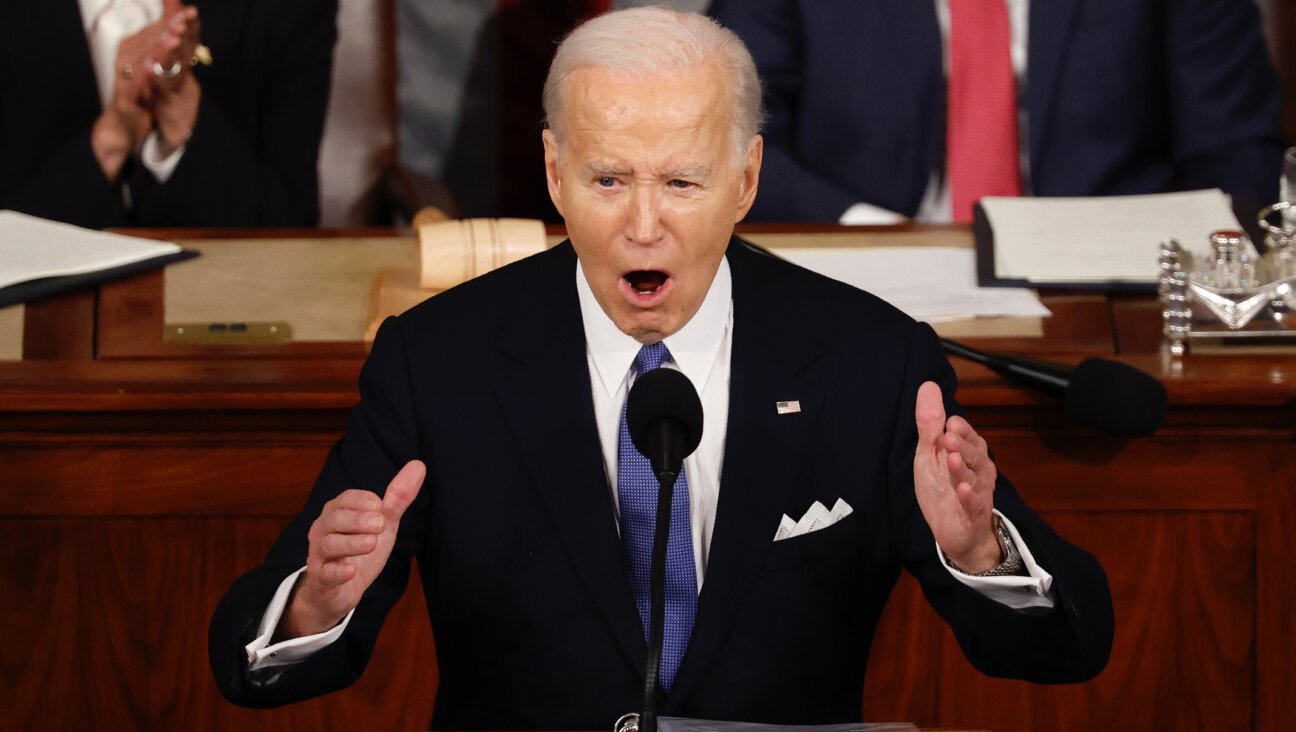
1116,398
664,393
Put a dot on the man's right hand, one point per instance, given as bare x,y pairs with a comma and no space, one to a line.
349,546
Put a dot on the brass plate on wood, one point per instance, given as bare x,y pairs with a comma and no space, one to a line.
227,333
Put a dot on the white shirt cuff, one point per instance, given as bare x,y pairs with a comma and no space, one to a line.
261,654
151,157
1016,592
864,214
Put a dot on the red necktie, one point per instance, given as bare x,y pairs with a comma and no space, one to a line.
981,132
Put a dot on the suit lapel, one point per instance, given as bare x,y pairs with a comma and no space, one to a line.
1049,38
544,392
763,452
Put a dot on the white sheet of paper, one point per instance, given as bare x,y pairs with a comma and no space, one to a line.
932,284
33,248
1111,238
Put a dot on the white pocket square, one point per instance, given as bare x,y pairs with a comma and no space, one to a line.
816,517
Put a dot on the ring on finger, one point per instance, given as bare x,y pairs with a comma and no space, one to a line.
202,55
128,71
165,72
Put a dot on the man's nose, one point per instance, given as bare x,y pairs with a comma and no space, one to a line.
645,225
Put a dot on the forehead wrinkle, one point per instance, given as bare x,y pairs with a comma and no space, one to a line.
689,125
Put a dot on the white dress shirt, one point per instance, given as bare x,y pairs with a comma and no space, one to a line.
107,22
937,206
701,351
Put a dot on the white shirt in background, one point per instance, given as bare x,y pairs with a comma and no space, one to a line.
107,22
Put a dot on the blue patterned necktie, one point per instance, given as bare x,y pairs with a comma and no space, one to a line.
637,495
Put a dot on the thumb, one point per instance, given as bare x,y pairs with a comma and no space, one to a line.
402,490
929,412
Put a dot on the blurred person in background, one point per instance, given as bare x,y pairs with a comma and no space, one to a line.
896,109
154,113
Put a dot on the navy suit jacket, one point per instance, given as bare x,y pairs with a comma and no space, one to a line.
515,532
1121,97
255,146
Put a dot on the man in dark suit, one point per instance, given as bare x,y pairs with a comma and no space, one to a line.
245,130
496,407
1115,97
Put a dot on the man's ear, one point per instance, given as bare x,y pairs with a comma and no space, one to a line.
750,177
551,169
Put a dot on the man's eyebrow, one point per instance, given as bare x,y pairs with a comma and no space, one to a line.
598,168
694,171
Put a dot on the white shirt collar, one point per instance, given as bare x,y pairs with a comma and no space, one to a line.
693,348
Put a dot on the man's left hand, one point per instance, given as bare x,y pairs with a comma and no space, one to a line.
954,481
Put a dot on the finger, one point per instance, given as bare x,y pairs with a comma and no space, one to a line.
348,521
184,29
339,546
332,574
402,490
355,499
964,429
165,49
959,472
929,412
171,7
974,503
956,443
958,425
974,453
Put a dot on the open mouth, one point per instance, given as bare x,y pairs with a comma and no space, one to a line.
646,281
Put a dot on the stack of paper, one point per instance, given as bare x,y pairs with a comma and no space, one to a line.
1112,239
33,250
932,284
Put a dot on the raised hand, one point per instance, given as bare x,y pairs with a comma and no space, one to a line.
954,480
349,546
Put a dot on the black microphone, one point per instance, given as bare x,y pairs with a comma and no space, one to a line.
664,418
1113,397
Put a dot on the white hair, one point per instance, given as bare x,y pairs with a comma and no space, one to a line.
650,41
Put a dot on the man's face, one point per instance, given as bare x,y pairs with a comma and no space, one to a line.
647,184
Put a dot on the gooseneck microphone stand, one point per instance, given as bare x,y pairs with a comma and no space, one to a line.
657,585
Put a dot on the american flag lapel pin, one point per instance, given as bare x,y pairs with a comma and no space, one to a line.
791,407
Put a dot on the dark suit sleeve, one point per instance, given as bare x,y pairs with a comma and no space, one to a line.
381,436
262,171
1069,642
68,186
1226,103
789,190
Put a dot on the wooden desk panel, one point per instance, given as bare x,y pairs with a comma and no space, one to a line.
138,485
141,492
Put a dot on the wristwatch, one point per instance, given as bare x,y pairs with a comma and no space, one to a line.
1011,564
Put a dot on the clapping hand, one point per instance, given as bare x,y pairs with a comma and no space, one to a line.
175,92
954,481
154,89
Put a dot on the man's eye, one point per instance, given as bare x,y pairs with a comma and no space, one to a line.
606,181
681,184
